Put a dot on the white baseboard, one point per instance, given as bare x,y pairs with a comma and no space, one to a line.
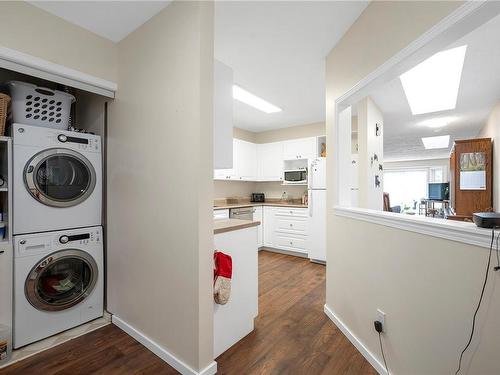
161,352
355,341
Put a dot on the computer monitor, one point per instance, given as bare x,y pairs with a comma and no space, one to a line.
439,191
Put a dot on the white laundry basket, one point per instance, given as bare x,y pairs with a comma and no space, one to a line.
40,106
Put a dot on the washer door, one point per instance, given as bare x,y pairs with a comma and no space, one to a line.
61,280
59,177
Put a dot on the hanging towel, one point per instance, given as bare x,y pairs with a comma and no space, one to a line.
223,271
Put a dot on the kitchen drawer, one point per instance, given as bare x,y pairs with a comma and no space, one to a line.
290,242
292,212
291,224
221,214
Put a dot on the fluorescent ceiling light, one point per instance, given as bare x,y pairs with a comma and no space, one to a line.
253,101
438,122
432,85
441,141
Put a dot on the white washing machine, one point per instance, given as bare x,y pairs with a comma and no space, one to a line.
58,282
57,179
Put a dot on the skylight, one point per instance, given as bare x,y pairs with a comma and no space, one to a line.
438,122
433,85
441,141
253,100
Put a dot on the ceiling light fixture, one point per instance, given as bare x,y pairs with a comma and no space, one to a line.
433,85
441,141
438,122
253,101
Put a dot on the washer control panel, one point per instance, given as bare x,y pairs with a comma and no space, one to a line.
32,244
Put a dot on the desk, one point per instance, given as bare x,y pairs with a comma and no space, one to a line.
427,207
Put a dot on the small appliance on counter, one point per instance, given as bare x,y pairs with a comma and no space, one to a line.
258,198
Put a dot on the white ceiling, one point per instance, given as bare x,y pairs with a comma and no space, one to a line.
277,51
479,92
113,20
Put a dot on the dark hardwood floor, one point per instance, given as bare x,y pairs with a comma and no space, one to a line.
292,333
292,336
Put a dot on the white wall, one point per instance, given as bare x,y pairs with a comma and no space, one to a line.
28,29
160,231
427,286
370,196
492,130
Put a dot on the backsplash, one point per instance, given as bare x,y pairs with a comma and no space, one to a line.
225,189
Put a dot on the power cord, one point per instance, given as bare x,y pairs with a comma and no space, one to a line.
498,257
481,297
379,329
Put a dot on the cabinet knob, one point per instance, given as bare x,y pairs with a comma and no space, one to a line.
291,225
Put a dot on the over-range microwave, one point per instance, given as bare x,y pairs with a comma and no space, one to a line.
295,176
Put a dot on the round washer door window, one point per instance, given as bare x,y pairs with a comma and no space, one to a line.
59,177
61,280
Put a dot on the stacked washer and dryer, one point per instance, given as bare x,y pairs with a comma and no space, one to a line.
58,238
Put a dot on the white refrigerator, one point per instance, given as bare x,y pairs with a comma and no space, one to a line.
317,209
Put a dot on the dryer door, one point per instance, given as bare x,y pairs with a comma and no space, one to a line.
59,177
61,280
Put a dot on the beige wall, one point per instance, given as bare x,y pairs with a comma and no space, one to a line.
28,29
244,135
492,130
227,189
276,135
427,286
160,228
294,132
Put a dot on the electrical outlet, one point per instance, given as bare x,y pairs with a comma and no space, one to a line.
381,318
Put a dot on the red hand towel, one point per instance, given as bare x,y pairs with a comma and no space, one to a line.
223,271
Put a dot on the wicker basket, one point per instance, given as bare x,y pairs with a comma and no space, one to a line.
4,105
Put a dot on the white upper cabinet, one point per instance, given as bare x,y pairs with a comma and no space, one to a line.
304,148
228,173
246,160
265,161
223,116
270,159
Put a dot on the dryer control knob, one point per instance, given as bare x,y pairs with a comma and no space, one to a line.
62,138
63,239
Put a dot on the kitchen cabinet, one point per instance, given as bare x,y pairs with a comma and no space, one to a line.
265,161
270,160
258,215
303,148
221,214
223,116
246,160
228,173
269,215
286,228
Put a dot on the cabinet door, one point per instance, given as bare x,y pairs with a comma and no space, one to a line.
269,216
221,214
223,116
259,215
304,148
246,160
270,157
230,173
